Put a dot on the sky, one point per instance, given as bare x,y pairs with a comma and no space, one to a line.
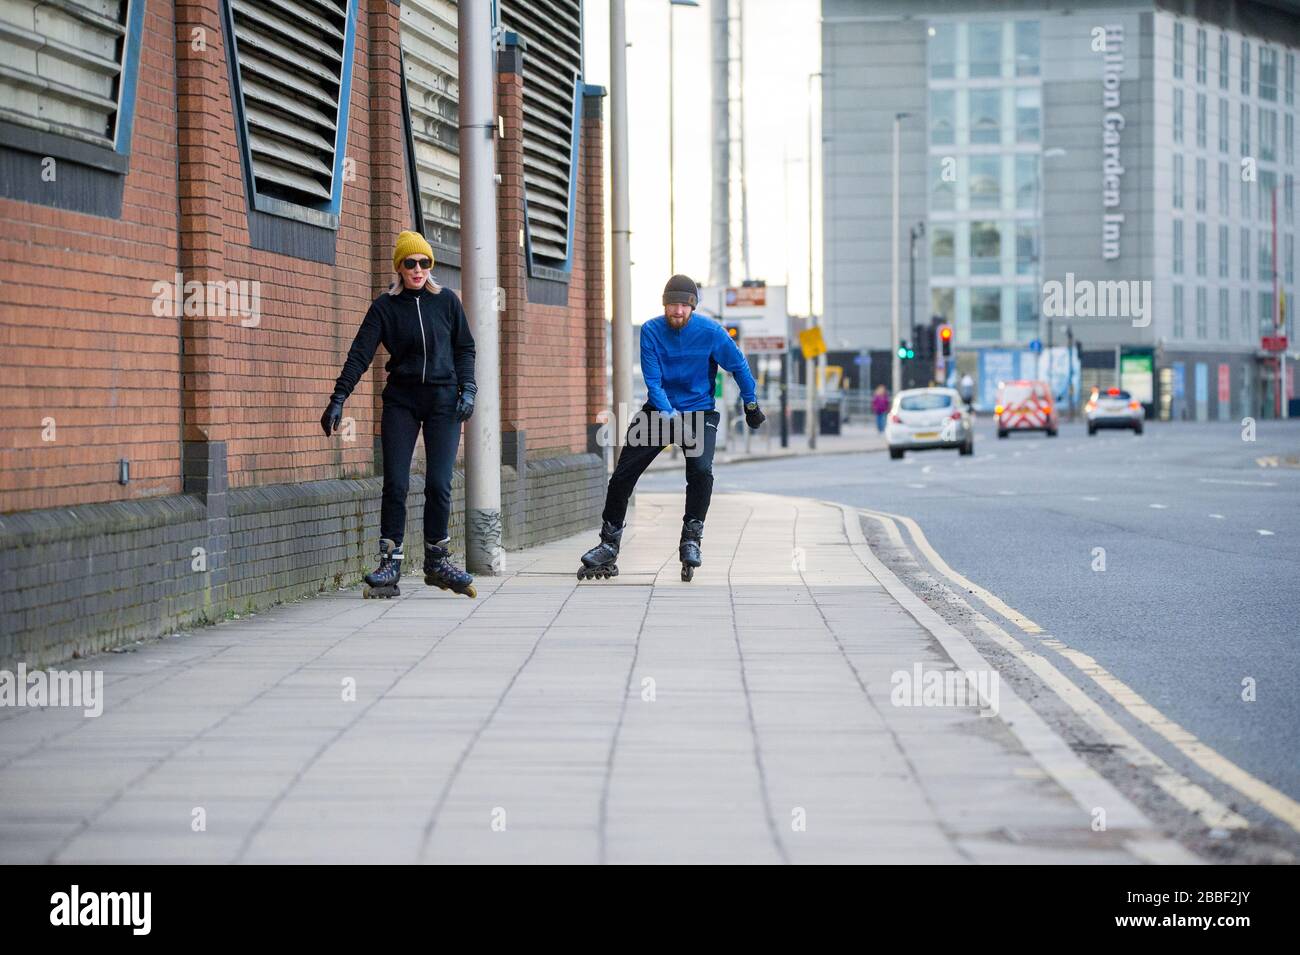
782,46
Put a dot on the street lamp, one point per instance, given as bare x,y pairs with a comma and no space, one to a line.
672,152
896,368
1052,152
915,232
810,363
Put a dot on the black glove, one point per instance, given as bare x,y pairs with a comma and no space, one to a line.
754,417
329,421
465,406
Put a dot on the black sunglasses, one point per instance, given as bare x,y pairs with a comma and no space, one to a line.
417,263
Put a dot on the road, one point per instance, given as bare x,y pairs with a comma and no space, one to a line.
1201,537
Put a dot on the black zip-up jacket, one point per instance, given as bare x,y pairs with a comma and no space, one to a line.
426,336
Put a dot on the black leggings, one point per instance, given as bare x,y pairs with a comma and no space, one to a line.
407,410
701,428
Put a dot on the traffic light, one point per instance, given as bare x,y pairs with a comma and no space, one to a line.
733,330
905,351
945,339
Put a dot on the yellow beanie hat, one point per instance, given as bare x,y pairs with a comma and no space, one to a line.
410,243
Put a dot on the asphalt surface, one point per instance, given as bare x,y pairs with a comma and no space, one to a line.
1194,599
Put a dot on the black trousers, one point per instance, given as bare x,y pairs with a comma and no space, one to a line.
408,409
647,435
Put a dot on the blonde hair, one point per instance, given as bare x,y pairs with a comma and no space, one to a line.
430,284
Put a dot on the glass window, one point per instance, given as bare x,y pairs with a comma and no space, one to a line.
1267,185
1200,55
985,182
1178,116
1288,140
985,48
1201,323
985,116
1223,61
1288,259
1268,73
1289,79
985,314
1200,120
1178,180
1267,321
943,117
1223,189
1028,108
1223,125
1026,314
943,191
1200,249
943,50
1200,185
1178,51
1245,199
1223,251
1224,332
1178,247
1245,255
1247,328
1178,311
1027,48
942,250
1245,67
926,401
1264,271
1245,129
1267,135
985,248
1026,249
1288,199
1026,181
941,304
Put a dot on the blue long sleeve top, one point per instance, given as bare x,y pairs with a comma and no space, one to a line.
680,365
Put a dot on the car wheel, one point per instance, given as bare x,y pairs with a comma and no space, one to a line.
1001,433
1092,429
1051,433
1137,429
895,453
967,448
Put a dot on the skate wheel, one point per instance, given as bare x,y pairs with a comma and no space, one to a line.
470,591
687,573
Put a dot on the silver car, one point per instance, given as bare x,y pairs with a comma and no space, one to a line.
1113,408
924,418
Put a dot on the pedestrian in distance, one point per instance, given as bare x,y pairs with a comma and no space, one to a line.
430,388
880,405
680,357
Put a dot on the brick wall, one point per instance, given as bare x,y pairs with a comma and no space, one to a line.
218,417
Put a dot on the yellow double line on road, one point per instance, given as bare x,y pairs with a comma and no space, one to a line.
1188,794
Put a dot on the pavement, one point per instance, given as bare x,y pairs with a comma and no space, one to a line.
748,716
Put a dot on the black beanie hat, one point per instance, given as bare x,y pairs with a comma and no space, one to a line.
680,290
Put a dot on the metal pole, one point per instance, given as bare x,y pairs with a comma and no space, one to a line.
810,364
672,154
911,283
896,376
621,320
720,235
479,281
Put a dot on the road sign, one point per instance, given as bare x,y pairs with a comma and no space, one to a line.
1273,343
812,342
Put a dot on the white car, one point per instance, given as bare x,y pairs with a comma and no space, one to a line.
924,418
1113,408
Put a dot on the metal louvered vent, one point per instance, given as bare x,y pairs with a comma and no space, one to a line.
61,65
290,56
552,31
430,51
